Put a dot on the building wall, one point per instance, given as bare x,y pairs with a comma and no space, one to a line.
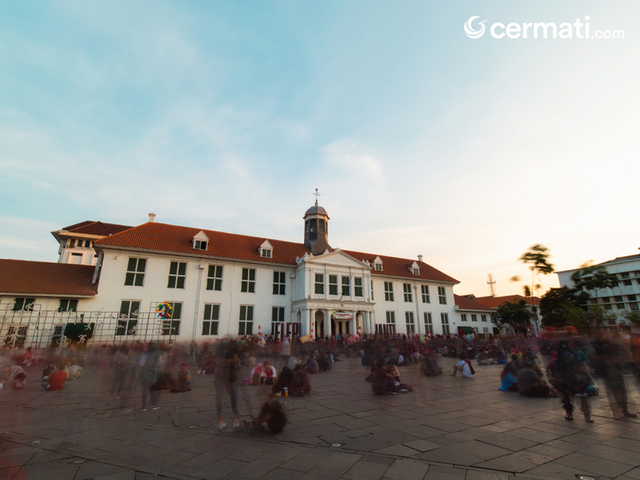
620,299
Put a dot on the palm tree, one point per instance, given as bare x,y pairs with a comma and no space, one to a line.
537,257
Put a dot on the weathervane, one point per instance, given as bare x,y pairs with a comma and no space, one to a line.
316,195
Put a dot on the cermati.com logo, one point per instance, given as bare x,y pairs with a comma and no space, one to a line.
579,29
470,31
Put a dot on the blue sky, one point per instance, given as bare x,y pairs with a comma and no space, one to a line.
228,115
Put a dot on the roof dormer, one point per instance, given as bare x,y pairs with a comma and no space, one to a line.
200,241
377,264
266,249
414,268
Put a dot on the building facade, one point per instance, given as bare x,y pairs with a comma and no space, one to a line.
174,283
624,297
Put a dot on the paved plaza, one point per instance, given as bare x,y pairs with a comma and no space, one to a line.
448,428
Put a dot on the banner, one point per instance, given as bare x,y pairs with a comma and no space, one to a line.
306,339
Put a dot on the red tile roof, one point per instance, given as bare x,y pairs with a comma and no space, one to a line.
44,278
464,303
495,302
96,228
177,239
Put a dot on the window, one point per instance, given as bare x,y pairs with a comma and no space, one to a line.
483,318
634,307
391,320
24,304
248,280
319,286
177,274
474,317
245,326
346,286
135,272
210,319
378,267
407,292
279,283
333,284
444,318
372,290
442,296
128,320
72,243
463,317
68,305
416,271
631,298
618,298
357,287
200,244
16,338
425,294
172,326
214,278
266,253
87,244
411,325
428,322
277,316
627,282
388,291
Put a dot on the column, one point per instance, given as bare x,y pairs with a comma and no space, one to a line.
304,322
326,318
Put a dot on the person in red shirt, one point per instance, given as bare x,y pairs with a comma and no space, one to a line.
57,379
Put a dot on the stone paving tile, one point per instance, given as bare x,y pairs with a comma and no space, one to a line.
510,442
594,464
485,475
441,472
406,469
365,470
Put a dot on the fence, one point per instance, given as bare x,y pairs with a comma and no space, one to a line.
37,328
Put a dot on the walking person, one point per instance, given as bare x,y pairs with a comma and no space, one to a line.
149,376
227,366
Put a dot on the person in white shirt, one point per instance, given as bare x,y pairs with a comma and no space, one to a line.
463,367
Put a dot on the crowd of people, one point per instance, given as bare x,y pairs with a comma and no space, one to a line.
575,365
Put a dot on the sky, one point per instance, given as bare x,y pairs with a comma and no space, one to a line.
227,116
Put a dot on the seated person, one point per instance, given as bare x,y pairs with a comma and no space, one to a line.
300,384
508,377
268,376
183,381
57,379
393,370
14,377
324,363
273,415
429,366
312,365
294,362
74,370
463,366
383,381
484,358
47,371
531,385
257,371
284,381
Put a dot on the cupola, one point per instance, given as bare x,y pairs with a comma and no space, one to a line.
316,229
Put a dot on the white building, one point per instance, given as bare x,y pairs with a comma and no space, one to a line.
620,299
217,284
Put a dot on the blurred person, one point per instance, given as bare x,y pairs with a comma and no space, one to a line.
464,367
228,364
14,377
56,380
530,384
149,363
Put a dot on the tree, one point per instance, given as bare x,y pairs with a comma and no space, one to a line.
561,307
516,315
537,257
594,279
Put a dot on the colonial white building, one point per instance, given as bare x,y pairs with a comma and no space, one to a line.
622,298
174,283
